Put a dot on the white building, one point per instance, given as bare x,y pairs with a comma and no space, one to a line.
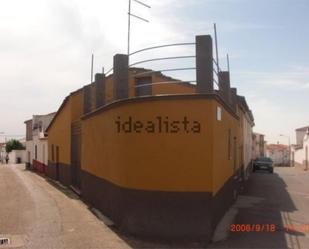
300,150
258,145
36,142
279,153
17,156
247,123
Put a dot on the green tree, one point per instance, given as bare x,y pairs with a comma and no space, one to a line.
13,144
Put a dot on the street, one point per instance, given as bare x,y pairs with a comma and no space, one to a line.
280,200
37,213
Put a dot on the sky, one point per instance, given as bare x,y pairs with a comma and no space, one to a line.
46,47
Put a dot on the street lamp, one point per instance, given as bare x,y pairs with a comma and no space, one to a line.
288,137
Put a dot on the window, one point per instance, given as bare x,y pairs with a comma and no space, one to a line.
43,150
36,152
143,86
219,113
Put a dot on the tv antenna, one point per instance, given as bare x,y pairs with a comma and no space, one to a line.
137,17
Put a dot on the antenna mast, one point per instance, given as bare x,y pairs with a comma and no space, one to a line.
92,59
216,43
137,17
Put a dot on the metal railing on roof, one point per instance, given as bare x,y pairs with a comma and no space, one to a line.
163,82
162,46
163,59
216,77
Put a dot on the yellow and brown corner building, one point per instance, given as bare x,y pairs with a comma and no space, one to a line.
160,160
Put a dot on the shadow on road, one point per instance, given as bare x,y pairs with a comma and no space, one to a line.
273,209
65,190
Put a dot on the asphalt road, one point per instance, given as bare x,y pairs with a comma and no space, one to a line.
276,203
273,212
35,213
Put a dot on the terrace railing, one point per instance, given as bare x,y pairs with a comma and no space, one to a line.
164,69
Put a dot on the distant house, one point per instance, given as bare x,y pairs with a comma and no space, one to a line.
18,156
279,153
258,145
2,152
299,151
36,142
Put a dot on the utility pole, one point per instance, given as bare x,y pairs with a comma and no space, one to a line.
92,59
129,27
228,62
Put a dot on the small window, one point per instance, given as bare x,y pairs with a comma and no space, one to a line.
219,113
143,86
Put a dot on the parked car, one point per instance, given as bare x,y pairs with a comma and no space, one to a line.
264,163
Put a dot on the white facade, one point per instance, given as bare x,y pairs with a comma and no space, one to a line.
36,142
247,136
17,156
278,153
246,124
300,133
2,152
258,145
300,151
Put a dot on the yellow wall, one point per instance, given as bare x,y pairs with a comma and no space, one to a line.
223,167
156,89
109,90
59,134
170,88
151,161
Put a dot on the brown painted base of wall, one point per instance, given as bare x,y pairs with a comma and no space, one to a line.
61,173
225,198
161,215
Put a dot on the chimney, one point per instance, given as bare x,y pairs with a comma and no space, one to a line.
121,77
204,64
100,89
